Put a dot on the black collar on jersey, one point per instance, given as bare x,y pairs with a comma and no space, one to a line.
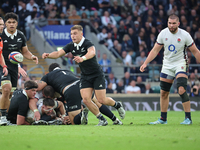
32,87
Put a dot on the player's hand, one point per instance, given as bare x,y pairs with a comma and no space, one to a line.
66,120
5,71
45,55
78,59
142,68
34,58
36,116
22,72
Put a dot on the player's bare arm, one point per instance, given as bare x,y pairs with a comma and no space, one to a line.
195,52
41,85
21,120
3,64
33,107
28,55
21,71
153,53
54,55
90,54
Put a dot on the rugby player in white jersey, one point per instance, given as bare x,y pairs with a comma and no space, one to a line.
175,41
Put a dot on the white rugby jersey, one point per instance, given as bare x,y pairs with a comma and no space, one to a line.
174,45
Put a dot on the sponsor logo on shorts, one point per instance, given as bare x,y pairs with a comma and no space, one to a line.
73,107
100,85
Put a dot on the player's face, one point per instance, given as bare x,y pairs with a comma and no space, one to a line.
76,36
11,25
31,93
47,109
1,25
173,25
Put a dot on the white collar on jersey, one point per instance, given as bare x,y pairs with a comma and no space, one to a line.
10,35
24,92
80,43
56,68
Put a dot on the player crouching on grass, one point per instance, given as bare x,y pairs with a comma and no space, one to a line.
19,103
47,110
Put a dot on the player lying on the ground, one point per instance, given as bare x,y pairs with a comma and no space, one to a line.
47,108
67,84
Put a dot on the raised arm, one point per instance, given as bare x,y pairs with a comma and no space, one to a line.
54,55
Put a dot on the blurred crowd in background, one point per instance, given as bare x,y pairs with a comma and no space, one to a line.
128,28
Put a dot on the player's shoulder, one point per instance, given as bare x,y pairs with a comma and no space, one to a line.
87,43
182,31
20,33
165,30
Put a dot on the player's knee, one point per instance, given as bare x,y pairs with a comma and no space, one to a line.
181,90
6,90
181,87
164,94
165,86
184,97
86,100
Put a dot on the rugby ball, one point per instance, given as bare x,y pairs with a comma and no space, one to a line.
15,57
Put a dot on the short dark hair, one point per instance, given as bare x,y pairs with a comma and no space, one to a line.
48,91
11,15
174,16
48,102
30,85
53,66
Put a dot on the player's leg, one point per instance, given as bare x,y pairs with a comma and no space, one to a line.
104,110
181,87
86,94
75,117
100,93
4,101
165,85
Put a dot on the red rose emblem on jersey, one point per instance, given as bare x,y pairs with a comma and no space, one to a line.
179,40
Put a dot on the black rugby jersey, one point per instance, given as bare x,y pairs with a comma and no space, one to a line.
88,67
59,79
10,45
19,105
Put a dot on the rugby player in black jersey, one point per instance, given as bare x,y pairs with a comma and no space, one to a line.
19,103
13,40
92,76
67,84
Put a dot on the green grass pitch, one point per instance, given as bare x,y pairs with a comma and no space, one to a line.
134,134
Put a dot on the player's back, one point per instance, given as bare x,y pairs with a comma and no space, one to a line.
59,79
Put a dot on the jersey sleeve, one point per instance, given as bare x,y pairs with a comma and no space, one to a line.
88,44
160,38
189,40
23,40
66,48
45,79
